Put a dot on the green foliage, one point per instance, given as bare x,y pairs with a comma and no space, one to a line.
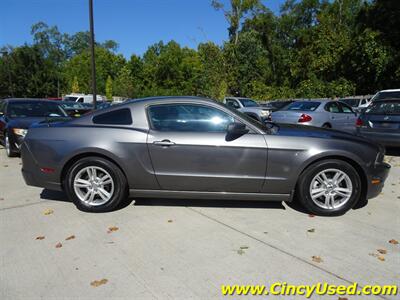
109,88
75,85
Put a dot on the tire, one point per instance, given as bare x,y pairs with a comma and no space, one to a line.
327,125
8,147
103,197
345,193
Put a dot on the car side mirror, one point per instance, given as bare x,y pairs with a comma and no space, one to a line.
235,130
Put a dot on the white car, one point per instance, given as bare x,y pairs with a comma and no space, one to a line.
82,98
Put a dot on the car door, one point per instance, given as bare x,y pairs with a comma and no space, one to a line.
351,116
336,118
190,151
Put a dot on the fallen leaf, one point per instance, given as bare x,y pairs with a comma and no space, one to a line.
1,199
393,242
5,166
381,258
240,252
342,298
40,237
265,232
382,251
311,230
97,283
112,229
58,245
48,211
244,247
169,221
70,238
316,259
311,216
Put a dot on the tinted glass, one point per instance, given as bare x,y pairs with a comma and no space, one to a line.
70,98
72,105
387,95
232,103
346,109
248,103
116,117
384,108
303,105
333,107
24,109
188,118
351,102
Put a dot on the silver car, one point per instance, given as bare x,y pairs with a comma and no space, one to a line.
249,107
319,113
188,147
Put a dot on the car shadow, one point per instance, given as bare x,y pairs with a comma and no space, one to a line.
393,151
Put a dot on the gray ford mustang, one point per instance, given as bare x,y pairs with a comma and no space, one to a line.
189,147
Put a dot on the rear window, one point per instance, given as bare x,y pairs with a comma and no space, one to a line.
304,105
384,108
387,95
116,117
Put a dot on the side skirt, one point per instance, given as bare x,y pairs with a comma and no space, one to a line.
208,195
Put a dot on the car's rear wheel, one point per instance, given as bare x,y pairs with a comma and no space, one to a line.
327,125
8,147
95,184
329,187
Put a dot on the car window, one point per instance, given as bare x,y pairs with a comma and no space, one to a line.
346,109
115,117
303,105
387,95
25,109
80,100
188,118
232,103
384,108
363,101
332,107
248,102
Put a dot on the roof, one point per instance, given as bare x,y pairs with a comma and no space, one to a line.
391,90
167,98
30,99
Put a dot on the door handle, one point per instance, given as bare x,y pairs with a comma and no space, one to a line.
164,143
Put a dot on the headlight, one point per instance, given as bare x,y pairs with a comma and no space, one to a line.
264,113
20,132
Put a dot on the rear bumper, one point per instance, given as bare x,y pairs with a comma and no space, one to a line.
376,179
385,138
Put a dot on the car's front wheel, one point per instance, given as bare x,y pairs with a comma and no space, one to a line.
8,146
95,184
329,187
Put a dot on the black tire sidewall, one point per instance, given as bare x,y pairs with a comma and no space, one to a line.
120,184
307,176
12,152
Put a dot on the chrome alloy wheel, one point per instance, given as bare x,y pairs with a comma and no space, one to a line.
7,145
331,189
94,185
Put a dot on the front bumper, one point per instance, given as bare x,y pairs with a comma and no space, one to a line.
376,179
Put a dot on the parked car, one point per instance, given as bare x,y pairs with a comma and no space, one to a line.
17,115
357,104
249,107
189,147
381,122
386,94
319,113
276,105
75,109
82,98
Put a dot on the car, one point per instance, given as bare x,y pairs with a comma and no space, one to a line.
386,94
195,148
75,109
249,107
82,98
381,122
358,104
319,113
276,105
17,115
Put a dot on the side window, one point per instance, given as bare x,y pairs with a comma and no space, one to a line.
80,100
346,109
188,118
332,107
116,117
363,102
232,103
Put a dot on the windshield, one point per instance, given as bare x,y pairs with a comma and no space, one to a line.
38,109
303,105
72,105
351,102
384,108
387,95
248,102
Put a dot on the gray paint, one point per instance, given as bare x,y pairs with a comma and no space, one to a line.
262,164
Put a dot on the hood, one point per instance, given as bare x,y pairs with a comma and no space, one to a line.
318,132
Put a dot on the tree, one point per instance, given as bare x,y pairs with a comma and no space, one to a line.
234,16
109,88
75,85
124,84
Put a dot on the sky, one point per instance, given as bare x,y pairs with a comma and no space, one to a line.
133,24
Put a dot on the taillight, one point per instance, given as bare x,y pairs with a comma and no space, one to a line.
359,122
305,118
